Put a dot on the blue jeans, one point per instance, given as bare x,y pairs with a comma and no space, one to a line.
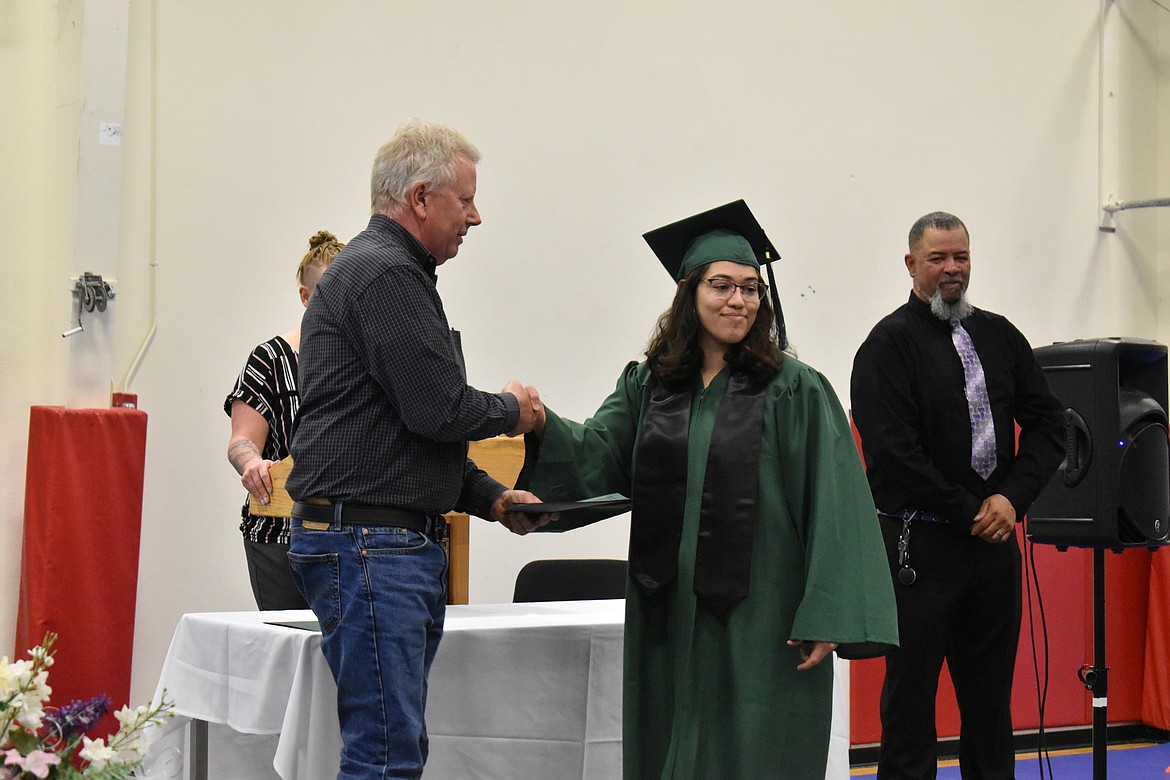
380,595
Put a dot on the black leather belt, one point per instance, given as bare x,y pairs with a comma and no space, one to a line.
915,514
350,513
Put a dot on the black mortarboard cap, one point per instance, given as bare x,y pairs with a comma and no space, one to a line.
670,242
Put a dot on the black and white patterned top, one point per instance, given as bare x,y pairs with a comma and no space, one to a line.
268,384
386,411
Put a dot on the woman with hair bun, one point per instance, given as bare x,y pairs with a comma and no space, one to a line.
262,407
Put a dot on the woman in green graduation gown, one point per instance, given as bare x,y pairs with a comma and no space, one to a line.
754,546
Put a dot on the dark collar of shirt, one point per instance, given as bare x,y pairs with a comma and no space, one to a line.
922,309
419,253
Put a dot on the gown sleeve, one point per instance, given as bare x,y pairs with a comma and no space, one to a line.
574,461
848,595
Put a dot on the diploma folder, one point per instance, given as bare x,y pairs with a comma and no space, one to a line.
303,625
574,514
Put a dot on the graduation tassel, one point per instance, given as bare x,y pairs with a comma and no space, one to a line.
781,329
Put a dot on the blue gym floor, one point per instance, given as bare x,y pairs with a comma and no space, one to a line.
1140,761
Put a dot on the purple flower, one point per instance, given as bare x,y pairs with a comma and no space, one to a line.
78,716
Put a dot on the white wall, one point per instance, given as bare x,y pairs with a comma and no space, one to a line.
30,359
840,122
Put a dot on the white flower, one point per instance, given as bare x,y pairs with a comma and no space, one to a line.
130,719
40,685
41,654
14,676
23,691
97,754
36,693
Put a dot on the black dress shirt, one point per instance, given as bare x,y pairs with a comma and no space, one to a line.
910,406
386,412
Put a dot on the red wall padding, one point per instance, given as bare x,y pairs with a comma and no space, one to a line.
79,570
1156,692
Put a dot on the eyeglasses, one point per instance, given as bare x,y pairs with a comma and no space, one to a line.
725,288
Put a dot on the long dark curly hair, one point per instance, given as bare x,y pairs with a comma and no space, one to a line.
675,357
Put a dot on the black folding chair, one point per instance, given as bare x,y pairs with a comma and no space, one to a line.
571,579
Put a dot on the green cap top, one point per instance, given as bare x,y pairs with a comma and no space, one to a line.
721,244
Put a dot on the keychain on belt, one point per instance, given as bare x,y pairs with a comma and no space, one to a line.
906,574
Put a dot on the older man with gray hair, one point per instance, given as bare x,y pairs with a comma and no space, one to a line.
380,448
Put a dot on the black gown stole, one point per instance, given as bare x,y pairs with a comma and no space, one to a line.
730,505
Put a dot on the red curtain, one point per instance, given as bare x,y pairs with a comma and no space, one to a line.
79,570
1156,687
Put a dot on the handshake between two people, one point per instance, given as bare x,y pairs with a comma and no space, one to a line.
531,420
531,409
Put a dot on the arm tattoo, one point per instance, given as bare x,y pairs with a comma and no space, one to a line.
240,452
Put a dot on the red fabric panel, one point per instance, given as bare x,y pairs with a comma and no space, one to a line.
79,570
865,691
857,439
1156,691
1127,594
1066,585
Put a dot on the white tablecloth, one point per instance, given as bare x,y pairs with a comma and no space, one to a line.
516,691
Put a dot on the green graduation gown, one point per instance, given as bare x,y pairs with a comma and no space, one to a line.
720,697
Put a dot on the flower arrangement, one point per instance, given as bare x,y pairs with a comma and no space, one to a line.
41,741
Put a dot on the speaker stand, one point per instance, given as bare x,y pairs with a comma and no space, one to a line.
1096,678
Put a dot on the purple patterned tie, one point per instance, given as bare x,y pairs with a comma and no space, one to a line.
978,405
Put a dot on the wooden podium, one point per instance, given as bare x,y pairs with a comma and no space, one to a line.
500,457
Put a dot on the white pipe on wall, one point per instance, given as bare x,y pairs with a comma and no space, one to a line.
1108,111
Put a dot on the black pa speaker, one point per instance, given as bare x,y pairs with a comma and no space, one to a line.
1113,488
